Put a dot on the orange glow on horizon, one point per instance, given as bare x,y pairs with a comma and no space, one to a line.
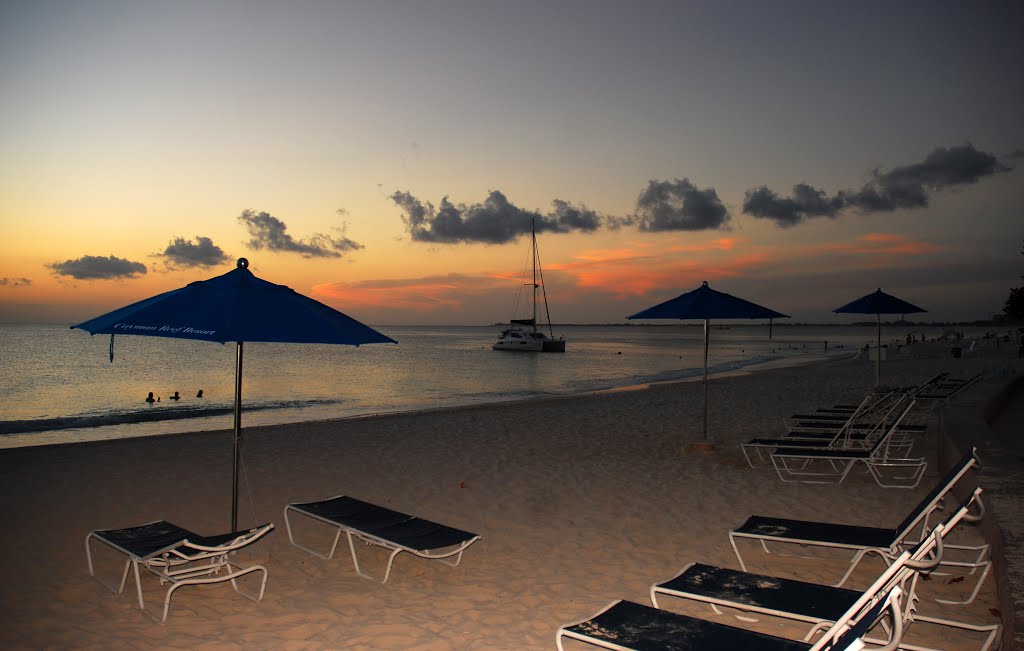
415,294
875,244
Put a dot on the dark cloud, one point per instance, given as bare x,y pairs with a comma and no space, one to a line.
269,232
679,205
15,282
945,168
93,267
495,221
909,186
806,202
899,188
203,253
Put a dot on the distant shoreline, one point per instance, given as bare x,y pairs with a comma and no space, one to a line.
44,438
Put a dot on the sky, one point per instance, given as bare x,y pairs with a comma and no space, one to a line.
388,158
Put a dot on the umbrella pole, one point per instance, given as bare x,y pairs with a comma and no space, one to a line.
237,438
707,331
878,357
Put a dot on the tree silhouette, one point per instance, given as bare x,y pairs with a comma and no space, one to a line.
1014,307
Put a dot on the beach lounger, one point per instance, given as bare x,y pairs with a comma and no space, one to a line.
817,605
626,625
178,557
941,393
382,527
840,439
831,465
863,540
935,381
823,426
871,406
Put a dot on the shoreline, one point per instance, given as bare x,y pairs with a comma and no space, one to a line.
44,437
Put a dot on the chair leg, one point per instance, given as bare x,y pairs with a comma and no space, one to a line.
92,569
355,559
859,556
291,539
234,572
981,562
242,572
138,584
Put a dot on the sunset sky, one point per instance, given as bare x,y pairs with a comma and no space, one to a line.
387,157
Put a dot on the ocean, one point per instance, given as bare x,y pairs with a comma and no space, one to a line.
59,386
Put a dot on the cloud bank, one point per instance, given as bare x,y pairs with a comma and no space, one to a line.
904,187
676,205
680,205
269,232
203,253
92,267
494,221
15,282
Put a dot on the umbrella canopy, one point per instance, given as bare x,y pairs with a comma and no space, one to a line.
236,306
878,303
706,303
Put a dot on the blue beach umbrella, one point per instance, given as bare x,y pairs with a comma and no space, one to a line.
878,303
239,307
706,303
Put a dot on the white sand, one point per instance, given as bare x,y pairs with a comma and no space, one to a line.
579,501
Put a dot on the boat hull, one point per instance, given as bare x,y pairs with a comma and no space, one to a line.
554,346
526,341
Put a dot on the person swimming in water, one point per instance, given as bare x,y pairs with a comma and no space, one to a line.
150,397
200,394
175,396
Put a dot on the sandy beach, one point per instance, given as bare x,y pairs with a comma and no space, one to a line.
578,500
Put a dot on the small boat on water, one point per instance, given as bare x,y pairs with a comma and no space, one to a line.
523,335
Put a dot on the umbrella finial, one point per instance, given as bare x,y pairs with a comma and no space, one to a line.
243,263
704,284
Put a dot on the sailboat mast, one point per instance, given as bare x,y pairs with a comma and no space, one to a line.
533,243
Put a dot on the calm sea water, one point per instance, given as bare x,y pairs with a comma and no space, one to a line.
59,386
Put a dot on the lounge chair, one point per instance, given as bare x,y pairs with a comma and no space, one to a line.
863,540
831,465
841,438
870,407
382,527
822,426
865,422
845,409
179,557
626,625
818,605
936,396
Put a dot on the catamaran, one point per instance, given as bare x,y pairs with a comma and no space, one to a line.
523,335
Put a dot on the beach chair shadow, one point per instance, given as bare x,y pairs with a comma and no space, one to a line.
177,557
819,605
773,535
382,527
